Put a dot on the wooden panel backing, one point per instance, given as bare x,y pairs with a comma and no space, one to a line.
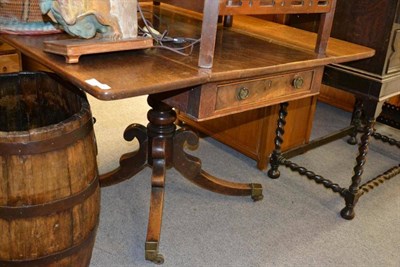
336,97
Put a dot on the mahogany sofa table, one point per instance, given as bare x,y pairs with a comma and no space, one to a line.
256,64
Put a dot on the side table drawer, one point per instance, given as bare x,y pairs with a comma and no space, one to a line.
217,99
9,63
263,89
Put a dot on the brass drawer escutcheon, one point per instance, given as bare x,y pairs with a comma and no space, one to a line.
298,82
243,93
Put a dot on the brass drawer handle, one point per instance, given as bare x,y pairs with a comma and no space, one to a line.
243,93
298,82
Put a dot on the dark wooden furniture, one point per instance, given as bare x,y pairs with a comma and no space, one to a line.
390,114
375,24
373,81
289,70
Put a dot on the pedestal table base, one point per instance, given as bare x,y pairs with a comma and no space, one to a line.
161,148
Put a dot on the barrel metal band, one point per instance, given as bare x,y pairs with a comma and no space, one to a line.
44,261
45,209
37,147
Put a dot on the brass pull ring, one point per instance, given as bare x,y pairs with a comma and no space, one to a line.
298,82
243,93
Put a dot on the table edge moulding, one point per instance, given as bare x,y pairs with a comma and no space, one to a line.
181,82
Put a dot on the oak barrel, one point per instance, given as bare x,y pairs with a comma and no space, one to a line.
49,189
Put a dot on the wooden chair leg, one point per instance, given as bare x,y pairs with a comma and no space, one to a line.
324,31
208,33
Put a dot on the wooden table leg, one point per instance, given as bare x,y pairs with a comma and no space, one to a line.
190,168
356,121
160,130
277,153
352,195
154,226
158,149
371,109
161,148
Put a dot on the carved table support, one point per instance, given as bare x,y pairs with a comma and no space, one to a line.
162,147
130,163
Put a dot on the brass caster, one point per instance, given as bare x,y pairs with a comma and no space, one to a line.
256,192
151,253
158,259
